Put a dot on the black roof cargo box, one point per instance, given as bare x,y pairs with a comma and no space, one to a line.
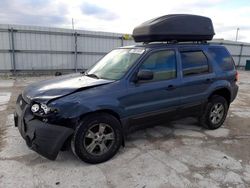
175,27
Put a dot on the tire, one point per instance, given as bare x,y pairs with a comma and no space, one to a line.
97,138
211,118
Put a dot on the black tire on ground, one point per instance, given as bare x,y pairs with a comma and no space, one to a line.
92,147
207,120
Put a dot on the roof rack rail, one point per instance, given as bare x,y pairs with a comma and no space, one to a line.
177,42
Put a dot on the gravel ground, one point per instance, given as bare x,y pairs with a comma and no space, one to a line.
178,154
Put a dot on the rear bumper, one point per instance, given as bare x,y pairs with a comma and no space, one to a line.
44,138
234,92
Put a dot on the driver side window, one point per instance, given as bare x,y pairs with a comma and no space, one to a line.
162,64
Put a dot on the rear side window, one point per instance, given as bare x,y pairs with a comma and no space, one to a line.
222,58
163,65
194,62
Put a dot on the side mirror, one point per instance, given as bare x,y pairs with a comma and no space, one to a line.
145,74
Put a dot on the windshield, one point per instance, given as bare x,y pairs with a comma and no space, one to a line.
115,64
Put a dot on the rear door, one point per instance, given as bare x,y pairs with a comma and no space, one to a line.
197,76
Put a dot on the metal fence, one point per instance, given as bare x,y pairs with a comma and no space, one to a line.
36,49
24,48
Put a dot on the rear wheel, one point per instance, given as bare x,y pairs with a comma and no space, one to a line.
215,112
97,138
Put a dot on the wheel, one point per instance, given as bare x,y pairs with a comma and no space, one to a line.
215,112
97,138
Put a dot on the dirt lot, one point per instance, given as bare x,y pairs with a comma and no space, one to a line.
179,154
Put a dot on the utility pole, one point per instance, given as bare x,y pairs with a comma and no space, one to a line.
73,24
237,33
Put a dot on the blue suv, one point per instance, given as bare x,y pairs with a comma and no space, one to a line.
129,88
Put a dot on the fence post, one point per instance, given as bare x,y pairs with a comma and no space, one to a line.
13,51
241,49
122,41
75,36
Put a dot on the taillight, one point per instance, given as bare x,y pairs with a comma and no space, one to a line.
237,76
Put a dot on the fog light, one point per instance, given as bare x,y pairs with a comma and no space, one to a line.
45,120
35,108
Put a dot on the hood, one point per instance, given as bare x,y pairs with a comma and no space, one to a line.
44,91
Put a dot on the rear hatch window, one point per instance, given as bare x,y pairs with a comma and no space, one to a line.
222,57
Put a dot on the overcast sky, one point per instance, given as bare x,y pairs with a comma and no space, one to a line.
123,16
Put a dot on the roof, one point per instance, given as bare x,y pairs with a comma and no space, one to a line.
170,45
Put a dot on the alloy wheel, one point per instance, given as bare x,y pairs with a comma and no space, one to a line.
98,139
217,113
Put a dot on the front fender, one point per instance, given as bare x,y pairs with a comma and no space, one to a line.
72,108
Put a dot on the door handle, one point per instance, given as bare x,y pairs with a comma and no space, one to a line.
208,80
170,87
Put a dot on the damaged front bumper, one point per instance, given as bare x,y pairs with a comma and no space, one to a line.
44,138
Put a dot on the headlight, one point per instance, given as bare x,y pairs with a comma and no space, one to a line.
40,109
35,108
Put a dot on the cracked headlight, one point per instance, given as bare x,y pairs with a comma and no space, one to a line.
45,108
40,109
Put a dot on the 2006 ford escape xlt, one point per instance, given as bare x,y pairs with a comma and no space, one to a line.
174,73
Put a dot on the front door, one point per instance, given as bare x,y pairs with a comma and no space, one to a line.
154,101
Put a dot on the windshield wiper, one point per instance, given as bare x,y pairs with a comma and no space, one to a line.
92,76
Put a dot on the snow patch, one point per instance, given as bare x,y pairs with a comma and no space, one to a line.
202,157
4,97
190,133
6,83
221,132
